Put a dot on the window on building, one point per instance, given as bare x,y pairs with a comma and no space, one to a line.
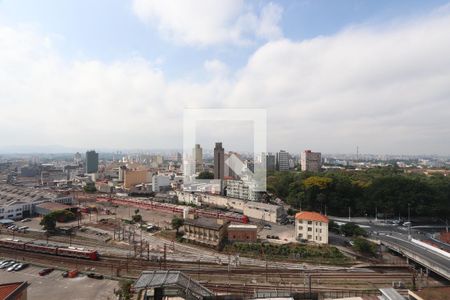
300,227
309,237
309,222
309,228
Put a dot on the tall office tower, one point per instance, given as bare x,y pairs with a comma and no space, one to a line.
283,161
91,162
270,162
198,158
77,158
219,161
311,161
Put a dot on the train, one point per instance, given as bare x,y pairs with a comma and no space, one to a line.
50,249
176,209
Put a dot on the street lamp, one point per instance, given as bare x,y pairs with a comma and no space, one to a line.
409,221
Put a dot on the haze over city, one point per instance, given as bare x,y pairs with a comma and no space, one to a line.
117,74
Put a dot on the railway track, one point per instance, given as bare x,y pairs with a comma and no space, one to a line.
118,266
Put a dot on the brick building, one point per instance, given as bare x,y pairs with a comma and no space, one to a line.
242,233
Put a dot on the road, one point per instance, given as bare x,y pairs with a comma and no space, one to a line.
420,251
398,236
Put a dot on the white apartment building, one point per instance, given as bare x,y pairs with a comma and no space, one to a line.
312,227
160,183
311,161
242,190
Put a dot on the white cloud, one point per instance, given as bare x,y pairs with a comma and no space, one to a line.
209,22
386,89
216,68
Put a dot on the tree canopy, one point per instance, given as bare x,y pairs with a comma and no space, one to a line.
205,175
386,190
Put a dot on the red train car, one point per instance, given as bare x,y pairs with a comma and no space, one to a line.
40,248
12,244
78,252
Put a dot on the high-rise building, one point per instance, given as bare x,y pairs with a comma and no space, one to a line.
270,162
198,158
91,162
219,161
77,158
283,161
311,161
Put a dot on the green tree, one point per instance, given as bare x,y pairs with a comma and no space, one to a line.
177,223
352,229
90,188
364,246
205,175
49,222
124,291
137,218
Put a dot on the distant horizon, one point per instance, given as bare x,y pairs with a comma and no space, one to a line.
73,150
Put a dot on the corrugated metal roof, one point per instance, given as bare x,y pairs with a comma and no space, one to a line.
172,279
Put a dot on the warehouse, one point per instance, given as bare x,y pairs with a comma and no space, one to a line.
49,207
18,202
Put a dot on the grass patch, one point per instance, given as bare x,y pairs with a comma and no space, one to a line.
322,254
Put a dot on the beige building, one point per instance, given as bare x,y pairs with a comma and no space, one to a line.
311,161
198,158
134,177
205,231
312,227
255,210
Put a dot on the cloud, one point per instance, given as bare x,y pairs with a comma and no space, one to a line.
210,22
385,88
216,68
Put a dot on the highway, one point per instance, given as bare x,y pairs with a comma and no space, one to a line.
425,254
396,238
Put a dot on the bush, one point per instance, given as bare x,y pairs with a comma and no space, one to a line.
352,229
364,246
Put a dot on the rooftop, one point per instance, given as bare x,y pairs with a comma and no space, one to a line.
242,226
53,206
186,286
311,216
8,290
10,194
207,223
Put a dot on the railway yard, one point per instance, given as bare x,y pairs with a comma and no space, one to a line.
124,251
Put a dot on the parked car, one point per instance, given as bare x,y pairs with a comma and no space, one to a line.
95,276
7,264
20,267
65,274
267,226
46,271
26,220
12,267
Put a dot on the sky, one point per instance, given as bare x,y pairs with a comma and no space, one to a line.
332,75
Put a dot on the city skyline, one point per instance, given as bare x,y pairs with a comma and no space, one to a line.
64,86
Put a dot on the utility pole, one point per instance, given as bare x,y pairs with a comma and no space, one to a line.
376,213
349,214
409,221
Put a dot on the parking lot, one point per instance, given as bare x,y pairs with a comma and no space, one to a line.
54,286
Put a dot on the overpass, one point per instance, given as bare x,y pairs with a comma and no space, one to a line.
431,260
